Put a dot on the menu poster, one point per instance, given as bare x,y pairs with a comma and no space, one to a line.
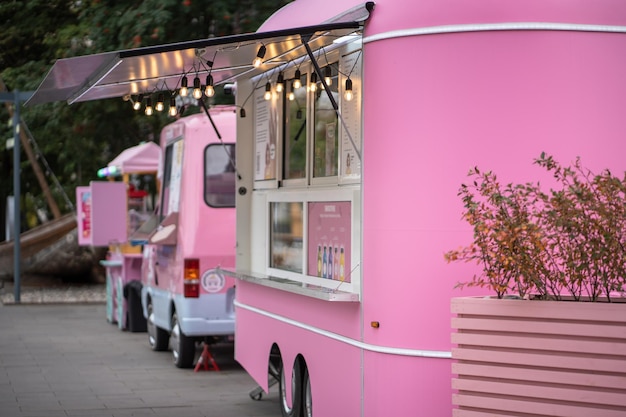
83,202
176,174
329,240
350,132
265,133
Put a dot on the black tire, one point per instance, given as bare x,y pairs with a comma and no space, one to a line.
183,347
136,321
307,400
296,390
157,337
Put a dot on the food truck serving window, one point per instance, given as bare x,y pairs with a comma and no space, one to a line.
219,175
307,172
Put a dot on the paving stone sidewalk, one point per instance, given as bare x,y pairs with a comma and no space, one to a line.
55,294
61,359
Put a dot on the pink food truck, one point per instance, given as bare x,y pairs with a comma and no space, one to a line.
184,298
358,122
109,213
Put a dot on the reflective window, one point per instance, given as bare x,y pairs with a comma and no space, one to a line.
219,175
326,139
295,128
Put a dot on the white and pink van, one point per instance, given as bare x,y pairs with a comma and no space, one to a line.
184,297
357,124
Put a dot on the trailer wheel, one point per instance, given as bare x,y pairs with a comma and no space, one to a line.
307,400
296,390
183,347
157,337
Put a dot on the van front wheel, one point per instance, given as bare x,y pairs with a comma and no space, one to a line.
183,347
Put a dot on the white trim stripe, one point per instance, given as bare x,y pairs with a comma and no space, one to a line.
434,30
347,340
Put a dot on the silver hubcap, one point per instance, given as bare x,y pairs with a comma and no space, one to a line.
175,340
283,394
308,402
151,326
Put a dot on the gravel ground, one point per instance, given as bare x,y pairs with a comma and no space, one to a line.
51,291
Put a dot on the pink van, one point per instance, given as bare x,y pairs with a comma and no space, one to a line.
184,298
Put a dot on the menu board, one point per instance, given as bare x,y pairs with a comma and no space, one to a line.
83,206
329,240
350,132
265,133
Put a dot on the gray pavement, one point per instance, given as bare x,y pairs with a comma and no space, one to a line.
65,359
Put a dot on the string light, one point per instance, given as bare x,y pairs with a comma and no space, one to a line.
313,83
197,90
268,91
159,106
297,83
291,96
328,74
209,90
348,95
259,57
149,107
280,82
173,111
183,91
137,103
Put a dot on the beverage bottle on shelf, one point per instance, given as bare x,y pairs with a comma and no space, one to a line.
319,260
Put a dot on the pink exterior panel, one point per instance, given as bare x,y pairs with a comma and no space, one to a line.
336,396
434,106
523,368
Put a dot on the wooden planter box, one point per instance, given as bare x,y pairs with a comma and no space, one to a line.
538,358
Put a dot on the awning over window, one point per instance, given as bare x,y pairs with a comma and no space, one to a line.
160,68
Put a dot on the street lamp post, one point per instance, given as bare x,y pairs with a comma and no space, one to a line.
17,98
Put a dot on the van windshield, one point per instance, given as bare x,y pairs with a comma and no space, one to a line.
219,175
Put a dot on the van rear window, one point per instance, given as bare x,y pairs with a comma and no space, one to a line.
219,175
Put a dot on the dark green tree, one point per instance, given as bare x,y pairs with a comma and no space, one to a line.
79,139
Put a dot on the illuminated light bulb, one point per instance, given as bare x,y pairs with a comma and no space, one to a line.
258,60
173,111
291,96
268,91
197,90
328,75
313,83
159,106
280,82
296,82
209,90
149,110
137,104
183,91
348,95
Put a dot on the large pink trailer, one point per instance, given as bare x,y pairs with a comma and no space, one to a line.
346,203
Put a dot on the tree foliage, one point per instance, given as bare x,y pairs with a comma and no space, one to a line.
79,139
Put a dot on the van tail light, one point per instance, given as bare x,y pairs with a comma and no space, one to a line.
192,278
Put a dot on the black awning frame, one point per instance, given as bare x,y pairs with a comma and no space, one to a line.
156,68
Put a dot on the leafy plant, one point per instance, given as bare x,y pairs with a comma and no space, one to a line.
567,242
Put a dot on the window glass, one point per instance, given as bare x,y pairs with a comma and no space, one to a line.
219,175
295,128
286,236
172,177
326,141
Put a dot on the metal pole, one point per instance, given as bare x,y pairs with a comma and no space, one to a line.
16,198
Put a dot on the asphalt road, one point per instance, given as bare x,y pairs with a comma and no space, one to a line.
67,360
